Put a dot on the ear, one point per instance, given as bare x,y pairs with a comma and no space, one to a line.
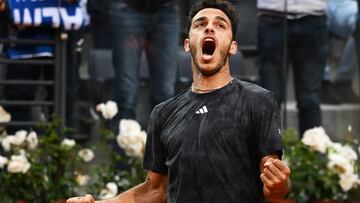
187,45
233,48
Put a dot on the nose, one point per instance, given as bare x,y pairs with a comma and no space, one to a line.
209,30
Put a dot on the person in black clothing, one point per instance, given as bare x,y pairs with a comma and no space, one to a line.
220,140
152,27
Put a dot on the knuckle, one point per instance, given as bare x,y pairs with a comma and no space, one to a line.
270,185
282,177
277,182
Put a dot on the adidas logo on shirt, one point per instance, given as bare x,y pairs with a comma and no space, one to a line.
202,110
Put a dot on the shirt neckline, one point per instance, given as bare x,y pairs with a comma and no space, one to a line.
212,93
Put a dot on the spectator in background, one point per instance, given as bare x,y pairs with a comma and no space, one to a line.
307,50
100,26
25,29
99,11
342,20
143,25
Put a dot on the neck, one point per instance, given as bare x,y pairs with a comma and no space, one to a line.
204,84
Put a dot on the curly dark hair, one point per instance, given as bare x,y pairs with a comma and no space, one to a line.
223,5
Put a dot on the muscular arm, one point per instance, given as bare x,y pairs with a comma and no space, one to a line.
153,190
275,177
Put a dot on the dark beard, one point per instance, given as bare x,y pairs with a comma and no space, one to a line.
223,59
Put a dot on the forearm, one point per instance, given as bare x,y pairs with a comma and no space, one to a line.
139,194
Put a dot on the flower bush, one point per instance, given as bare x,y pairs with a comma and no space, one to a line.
321,168
47,168
131,139
40,168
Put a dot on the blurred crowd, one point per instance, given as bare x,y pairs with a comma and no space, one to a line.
294,34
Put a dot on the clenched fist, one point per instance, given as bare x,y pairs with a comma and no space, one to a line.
275,177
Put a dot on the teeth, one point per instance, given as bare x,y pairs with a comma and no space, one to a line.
208,40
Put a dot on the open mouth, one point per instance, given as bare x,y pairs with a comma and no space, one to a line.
208,46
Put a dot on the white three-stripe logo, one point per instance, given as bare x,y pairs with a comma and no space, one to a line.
202,110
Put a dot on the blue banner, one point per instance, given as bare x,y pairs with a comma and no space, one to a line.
54,13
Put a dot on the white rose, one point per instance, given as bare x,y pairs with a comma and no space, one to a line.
129,125
131,138
86,154
68,143
19,137
142,137
339,163
110,191
3,161
136,150
32,140
82,179
317,139
345,150
348,181
4,116
108,110
6,142
125,139
132,143
18,164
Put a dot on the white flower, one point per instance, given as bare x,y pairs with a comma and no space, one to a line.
18,164
110,191
108,110
3,135
348,181
142,137
344,150
135,150
86,154
32,140
132,142
4,116
131,138
129,125
68,142
117,178
3,161
317,139
46,178
339,163
19,137
124,183
82,179
6,142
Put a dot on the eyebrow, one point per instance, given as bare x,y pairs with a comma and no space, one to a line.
205,18
200,19
221,19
